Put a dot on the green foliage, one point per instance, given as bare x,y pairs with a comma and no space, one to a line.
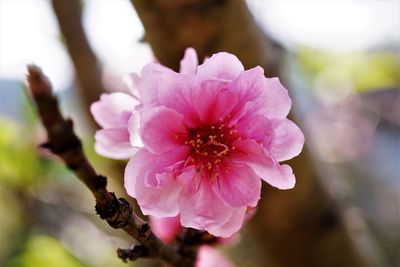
364,71
44,251
21,163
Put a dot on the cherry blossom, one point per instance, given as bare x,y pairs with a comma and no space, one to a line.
207,135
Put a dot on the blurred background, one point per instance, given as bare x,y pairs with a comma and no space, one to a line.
340,59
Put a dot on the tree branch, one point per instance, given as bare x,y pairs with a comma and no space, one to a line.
86,64
63,142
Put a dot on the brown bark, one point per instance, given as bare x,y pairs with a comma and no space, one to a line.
300,227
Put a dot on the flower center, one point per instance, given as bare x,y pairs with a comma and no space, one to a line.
209,146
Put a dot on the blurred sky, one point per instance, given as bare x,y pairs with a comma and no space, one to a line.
29,32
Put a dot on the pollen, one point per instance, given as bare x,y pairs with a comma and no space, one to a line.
210,145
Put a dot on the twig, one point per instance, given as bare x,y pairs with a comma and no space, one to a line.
132,253
63,142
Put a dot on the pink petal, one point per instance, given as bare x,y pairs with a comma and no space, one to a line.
159,202
186,179
257,128
134,130
220,66
139,161
160,129
166,167
114,143
175,91
278,102
148,82
260,95
189,62
250,88
156,201
113,110
231,226
211,257
288,142
250,84
213,101
237,185
167,229
255,156
202,208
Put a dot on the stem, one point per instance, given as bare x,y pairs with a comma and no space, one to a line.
63,142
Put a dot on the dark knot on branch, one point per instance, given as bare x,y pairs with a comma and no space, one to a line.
117,214
132,253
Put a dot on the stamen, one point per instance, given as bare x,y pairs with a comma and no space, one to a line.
226,149
209,145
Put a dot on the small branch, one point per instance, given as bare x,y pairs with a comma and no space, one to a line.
133,253
63,142
193,237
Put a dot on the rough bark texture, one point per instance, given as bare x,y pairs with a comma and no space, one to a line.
299,227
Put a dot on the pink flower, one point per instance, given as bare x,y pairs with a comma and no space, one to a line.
167,229
112,112
209,134
211,257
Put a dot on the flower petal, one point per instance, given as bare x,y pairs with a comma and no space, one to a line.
202,208
189,62
237,185
260,95
139,161
113,110
288,141
211,257
213,101
220,66
134,130
167,229
156,201
175,91
114,143
277,102
148,82
231,226
255,156
257,128
160,128
166,167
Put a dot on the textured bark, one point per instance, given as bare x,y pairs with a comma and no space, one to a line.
299,227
